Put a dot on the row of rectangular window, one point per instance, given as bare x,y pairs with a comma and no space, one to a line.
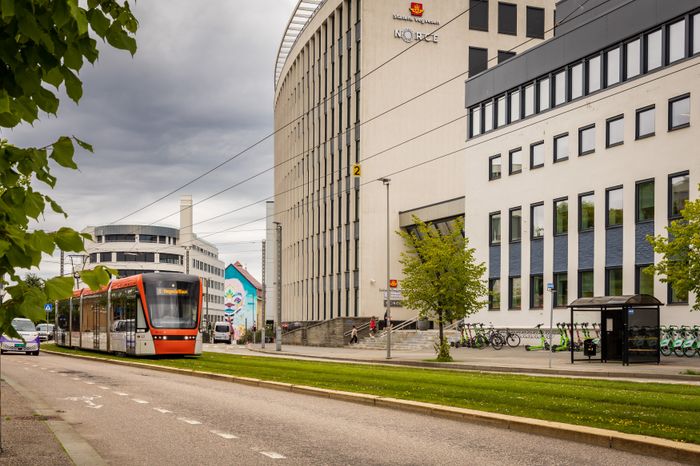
648,52
645,126
644,284
678,194
507,18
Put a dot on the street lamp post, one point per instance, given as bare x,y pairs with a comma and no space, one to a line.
278,318
386,182
77,262
553,292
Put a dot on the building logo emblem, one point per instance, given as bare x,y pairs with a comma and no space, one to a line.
406,35
417,9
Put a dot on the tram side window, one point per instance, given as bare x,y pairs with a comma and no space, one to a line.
63,314
88,320
75,315
124,310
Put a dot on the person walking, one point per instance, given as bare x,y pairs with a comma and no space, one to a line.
372,327
353,335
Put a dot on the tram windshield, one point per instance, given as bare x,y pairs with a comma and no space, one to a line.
172,303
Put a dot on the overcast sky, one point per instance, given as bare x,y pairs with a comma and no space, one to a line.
198,90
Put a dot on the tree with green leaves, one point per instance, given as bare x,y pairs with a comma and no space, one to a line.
442,279
680,266
43,45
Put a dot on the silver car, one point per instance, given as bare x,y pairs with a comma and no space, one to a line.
45,331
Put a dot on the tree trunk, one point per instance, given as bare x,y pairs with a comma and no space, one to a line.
441,326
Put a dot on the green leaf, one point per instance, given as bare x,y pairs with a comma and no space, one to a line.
98,22
74,87
73,59
79,15
83,144
33,205
4,102
46,101
63,151
95,278
8,8
117,38
43,241
54,77
58,288
32,305
57,208
68,239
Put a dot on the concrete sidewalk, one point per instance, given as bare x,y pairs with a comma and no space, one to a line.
671,369
26,438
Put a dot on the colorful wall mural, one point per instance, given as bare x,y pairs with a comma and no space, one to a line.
241,293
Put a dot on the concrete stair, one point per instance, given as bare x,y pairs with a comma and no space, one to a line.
408,340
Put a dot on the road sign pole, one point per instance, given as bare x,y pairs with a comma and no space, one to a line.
552,293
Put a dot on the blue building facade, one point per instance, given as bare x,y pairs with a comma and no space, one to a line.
242,293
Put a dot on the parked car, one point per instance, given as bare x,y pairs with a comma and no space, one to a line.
222,332
28,344
45,331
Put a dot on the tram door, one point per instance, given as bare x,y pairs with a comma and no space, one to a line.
123,320
100,331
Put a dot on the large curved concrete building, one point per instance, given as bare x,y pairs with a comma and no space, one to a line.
370,90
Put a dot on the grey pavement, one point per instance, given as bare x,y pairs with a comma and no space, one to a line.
140,416
672,369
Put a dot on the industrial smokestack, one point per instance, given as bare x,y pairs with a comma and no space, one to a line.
186,235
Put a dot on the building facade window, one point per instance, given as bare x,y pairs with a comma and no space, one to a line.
543,94
614,207
479,15
679,112
561,147
495,294
633,58
561,216
507,19
643,282
585,284
612,67
501,114
514,293
561,286
615,131
534,22
504,55
128,238
514,104
536,291
537,221
495,228
593,74
645,122
529,95
537,155
696,33
576,81
654,57
676,41
586,212
105,257
678,194
586,140
515,161
495,167
675,297
488,117
613,281
559,88
475,121
478,60
515,224
644,201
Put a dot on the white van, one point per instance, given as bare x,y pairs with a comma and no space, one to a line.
222,332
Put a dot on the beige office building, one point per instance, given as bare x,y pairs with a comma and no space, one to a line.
369,90
577,150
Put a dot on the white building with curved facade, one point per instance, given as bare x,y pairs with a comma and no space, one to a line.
367,90
134,249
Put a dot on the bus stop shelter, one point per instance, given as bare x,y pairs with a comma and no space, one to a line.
629,328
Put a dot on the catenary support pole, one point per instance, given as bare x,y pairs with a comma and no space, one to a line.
386,182
278,318
264,297
552,294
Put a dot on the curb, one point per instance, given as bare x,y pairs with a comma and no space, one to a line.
631,443
499,369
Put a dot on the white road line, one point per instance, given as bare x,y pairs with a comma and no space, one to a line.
223,434
142,402
75,378
162,411
273,455
121,393
53,372
35,365
64,375
103,388
43,368
191,422
88,382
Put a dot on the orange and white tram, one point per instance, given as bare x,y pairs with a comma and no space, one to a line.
141,315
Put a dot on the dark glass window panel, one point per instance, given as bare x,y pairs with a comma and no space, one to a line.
479,15
679,187
516,161
561,217
679,113
495,168
495,294
515,294
645,281
586,212
675,297
537,219
504,55
561,147
478,60
507,19
120,238
613,282
585,286
676,41
561,286
93,258
645,201
615,132
535,22
536,291
135,257
495,228
586,140
646,122
537,155
170,258
615,207
148,238
515,224
105,257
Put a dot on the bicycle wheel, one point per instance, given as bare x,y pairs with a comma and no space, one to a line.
480,341
513,340
666,350
678,351
689,352
497,342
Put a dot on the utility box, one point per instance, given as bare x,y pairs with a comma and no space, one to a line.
589,347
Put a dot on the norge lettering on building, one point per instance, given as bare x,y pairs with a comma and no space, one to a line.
408,35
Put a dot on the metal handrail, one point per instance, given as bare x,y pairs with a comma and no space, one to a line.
402,325
360,328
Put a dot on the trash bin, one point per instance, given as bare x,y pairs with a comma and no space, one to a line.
589,347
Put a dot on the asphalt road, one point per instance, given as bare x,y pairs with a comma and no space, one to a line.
138,416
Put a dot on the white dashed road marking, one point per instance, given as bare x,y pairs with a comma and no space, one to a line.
64,375
142,402
162,411
121,393
53,372
75,378
223,434
89,383
272,454
191,422
103,387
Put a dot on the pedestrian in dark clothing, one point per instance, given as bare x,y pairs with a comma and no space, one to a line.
353,335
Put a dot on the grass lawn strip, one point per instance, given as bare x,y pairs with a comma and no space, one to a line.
659,410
